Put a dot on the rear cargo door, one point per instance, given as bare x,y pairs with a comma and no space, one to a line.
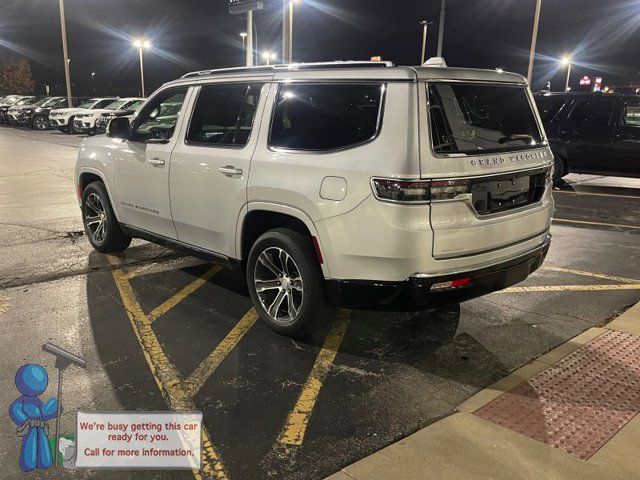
483,148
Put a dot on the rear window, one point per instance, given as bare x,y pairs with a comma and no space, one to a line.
321,117
480,118
549,106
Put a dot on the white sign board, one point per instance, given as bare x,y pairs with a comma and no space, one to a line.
139,440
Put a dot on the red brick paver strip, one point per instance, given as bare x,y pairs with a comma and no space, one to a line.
579,403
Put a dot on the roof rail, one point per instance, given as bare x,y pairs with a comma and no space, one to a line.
293,66
338,64
257,69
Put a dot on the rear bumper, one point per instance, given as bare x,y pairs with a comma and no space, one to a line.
416,293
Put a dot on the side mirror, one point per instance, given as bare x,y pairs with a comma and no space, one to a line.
119,127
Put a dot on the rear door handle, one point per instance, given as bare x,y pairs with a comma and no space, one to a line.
156,161
230,170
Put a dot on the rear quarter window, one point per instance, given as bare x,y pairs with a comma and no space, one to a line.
325,117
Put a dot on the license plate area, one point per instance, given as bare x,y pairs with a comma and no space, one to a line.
507,192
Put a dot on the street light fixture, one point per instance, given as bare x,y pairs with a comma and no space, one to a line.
566,60
268,56
141,44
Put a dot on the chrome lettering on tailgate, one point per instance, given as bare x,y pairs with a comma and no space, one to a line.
515,158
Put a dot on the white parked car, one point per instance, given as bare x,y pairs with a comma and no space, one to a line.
86,122
63,118
350,183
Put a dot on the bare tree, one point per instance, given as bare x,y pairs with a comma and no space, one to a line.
16,78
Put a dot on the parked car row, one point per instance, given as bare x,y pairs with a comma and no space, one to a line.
86,115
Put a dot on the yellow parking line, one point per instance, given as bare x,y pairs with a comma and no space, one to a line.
578,194
182,294
571,288
165,374
590,274
4,304
296,425
196,380
583,222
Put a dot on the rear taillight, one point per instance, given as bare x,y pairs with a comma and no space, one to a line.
402,191
418,191
449,189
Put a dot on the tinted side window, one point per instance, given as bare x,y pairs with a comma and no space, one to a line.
103,103
158,119
223,114
325,116
631,115
592,112
548,107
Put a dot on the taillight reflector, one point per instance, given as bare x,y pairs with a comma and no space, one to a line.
456,283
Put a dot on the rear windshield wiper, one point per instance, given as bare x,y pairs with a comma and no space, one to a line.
516,136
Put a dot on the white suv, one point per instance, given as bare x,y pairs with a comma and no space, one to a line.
63,118
351,183
86,122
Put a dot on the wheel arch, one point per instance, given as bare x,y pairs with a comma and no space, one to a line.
87,175
258,218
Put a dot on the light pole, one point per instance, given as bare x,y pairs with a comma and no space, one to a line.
287,31
244,39
93,82
67,76
534,39
441,27
566,60
141,44
425,24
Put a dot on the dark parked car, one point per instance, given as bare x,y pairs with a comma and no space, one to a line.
592,133
14,102
37,116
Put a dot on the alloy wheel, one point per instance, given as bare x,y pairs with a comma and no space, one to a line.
95,217
279,285
40,123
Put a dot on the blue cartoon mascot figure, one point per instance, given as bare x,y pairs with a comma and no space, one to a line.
30,415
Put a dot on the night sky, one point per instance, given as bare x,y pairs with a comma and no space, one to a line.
602,36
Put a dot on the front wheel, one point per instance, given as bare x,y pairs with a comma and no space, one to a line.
285,283
100,223
40,123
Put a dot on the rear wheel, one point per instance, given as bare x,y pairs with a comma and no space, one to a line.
285,283
40,123
100,223
559,170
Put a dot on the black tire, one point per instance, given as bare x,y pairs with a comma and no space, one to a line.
313,311
559,170
96,207
71,127
41,122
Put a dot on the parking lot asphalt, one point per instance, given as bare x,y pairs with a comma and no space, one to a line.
162,331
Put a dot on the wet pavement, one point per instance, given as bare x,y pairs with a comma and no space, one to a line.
274,407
